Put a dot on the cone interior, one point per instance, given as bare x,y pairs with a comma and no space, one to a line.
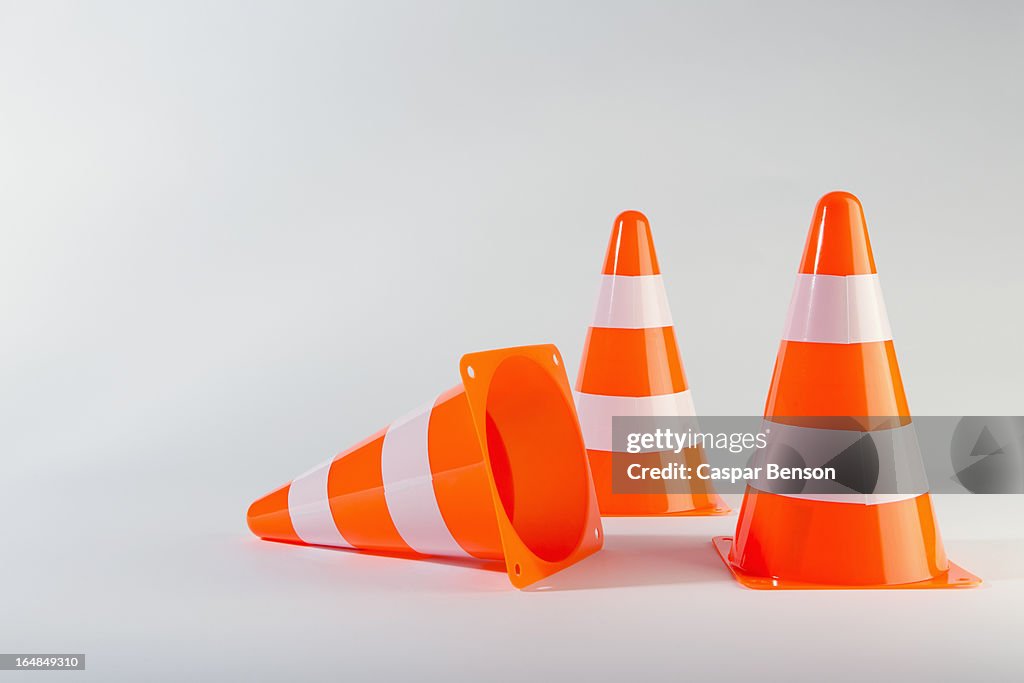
537,458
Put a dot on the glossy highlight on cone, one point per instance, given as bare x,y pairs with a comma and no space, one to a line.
631,367
492,469
837,364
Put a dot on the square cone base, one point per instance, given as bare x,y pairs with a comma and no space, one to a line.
955,577
533,384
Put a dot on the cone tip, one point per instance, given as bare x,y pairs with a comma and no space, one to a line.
631,247
837,242
268,517
251,515
839,198
631,217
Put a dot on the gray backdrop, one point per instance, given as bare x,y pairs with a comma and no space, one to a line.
239,237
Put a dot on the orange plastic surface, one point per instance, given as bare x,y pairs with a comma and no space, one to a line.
835,543
355,490
460,477
838,243
954,577
540,482
508,468
792,542
812,379
628,362
268,517
631,247
636,362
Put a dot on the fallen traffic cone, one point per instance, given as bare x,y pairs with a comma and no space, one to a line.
837,395
493,469
631,367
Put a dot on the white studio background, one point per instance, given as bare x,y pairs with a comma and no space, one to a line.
238,237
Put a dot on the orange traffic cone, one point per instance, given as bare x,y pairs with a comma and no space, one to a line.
631,367
837,393
493,469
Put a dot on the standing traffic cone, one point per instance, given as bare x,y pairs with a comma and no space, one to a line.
631,367
493,469
836,394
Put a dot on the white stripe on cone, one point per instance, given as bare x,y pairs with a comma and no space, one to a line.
901,473
852,499
596,413
409,487
310,509
632,302
836,309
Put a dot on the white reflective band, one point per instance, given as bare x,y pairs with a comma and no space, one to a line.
310,509
632,302
896,454
596,413
835,309
409,487
850,498
882,498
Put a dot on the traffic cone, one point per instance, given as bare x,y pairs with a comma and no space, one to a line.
493,469
631,367
837,394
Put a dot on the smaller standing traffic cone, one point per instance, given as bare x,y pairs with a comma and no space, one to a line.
631,367
493,469
837,398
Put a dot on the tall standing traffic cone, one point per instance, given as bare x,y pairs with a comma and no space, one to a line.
493,469
836,393
631,367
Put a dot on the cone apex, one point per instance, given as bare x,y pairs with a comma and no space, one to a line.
631,217
631,247
837,242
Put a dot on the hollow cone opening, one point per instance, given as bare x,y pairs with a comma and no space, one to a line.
537,458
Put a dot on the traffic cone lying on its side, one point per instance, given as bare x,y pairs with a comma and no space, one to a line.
837,399
631,367
493,469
